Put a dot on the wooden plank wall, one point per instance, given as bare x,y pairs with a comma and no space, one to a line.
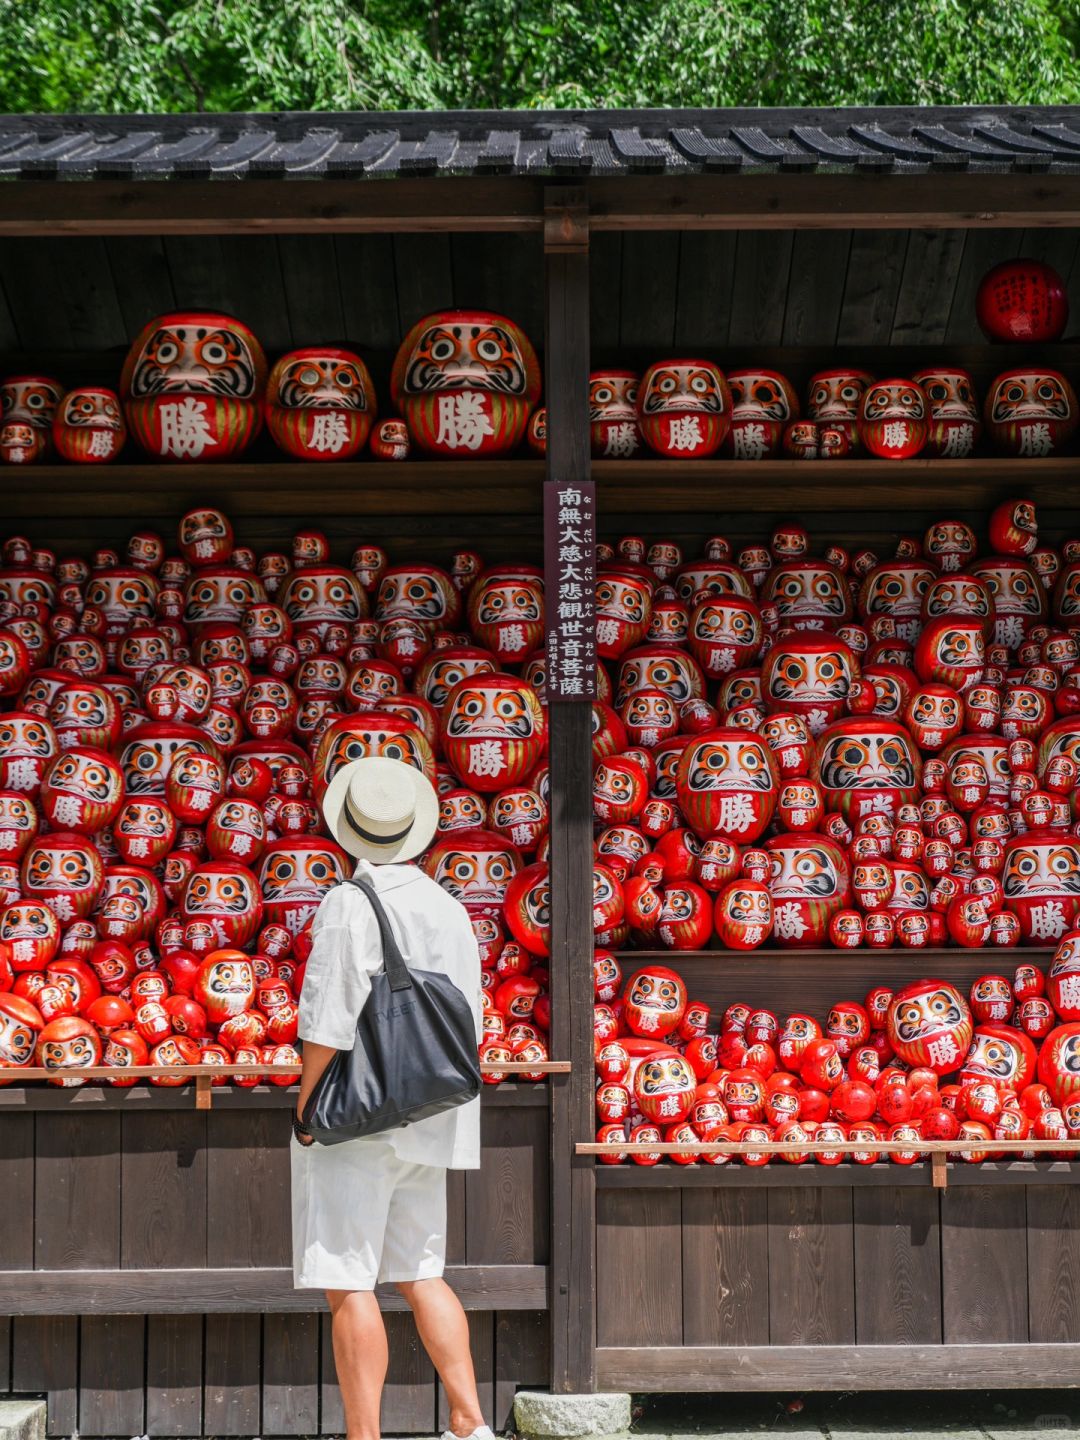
807,1265
651,292
184,1190
657,293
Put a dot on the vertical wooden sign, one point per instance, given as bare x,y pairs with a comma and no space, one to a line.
570,589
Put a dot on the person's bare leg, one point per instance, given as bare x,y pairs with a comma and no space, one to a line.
444,1331
360,1357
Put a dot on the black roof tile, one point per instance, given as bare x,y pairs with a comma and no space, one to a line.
559,143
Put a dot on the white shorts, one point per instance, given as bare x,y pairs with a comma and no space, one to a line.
361,1215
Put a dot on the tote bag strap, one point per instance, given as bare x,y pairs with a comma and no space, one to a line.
397,971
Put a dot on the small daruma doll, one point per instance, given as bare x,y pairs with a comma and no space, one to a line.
954,426
929,1025
613,420
1030,412
506,611
192,385
28,406
684,408
893,419
89,428
493,731
664,1088
744,914
762,403
655,1002
225,985
68,1043
320,403
466,382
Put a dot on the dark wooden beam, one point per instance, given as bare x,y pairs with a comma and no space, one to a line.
717,1368
261,207
829,202
94,1099
239,1290
573,1192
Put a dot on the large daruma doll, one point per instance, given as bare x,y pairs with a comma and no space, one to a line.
727,784
466,382
867,765
192,385
493,731
929,1025
684,407
1041,881
320,403
809,881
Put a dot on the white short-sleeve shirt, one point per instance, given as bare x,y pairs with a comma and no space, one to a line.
433,932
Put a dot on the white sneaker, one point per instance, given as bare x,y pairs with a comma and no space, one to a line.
482,1432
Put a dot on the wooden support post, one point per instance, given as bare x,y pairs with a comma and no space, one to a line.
573,1188
204,1095
939,1170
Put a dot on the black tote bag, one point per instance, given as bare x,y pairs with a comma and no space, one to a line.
414,1055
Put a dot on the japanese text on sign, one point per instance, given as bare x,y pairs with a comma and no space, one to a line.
570,585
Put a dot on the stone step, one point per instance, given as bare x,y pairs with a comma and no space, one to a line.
22,1420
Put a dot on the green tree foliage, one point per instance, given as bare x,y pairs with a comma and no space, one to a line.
185,55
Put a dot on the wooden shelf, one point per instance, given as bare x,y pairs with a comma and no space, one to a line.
667,1176
804,486
266,488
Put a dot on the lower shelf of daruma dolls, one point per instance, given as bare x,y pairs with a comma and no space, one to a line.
813,980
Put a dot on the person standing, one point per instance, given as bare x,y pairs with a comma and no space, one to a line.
373,1209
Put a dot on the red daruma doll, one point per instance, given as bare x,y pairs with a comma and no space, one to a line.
89,428
684,408
320,403
466,382
929,1025
655,1002
191,386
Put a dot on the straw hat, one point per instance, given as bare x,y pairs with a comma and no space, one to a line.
381,810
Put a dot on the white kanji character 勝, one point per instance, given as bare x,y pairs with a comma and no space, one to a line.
22,773
463,421
1035,439
958,444
943,1052
185,428
512,637
721,660
788,923
736,814
749,442
684,432
895,434
1068,992
101,445
138,846
328,432
622,441
486,758
1048,921
607,631
67,810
